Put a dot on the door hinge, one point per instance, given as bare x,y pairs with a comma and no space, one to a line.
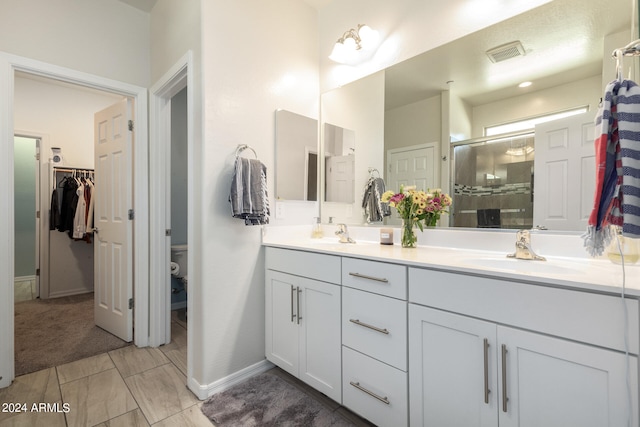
37,271
37,214
131,215
131,125
130,303
167,232
38,156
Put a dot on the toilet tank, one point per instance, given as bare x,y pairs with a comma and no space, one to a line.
179,256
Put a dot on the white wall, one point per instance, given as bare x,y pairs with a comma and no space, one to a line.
62,112
576,94
358,107
407,28
412,124
257,57
105,38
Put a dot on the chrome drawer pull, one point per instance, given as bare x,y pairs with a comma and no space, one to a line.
486,371
293,316
505,399
364,276
357,322
370,393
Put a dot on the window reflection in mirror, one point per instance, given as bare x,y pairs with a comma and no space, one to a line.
296,157
493,183
339,163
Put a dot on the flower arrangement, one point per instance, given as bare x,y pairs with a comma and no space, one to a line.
417,208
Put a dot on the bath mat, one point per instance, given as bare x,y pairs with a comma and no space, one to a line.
268,400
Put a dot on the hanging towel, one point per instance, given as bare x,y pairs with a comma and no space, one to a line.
617,149
374,209
248,195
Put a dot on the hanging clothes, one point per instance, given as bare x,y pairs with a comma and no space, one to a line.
54,211
68,205
248,195
79,218
374,209
617,149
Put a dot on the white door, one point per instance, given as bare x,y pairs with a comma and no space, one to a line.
340,179
281,329
453,379
415,165
320,352
557,383
113,281
564,173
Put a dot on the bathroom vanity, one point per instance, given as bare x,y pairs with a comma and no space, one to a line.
443,336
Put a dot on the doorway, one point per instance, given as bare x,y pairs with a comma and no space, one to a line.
9,65
26,199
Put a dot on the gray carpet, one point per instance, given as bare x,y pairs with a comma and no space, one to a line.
268,400
55,331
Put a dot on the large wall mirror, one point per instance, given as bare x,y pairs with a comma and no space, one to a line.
451,94
296,157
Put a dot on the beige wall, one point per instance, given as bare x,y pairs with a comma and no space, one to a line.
104,38
257,57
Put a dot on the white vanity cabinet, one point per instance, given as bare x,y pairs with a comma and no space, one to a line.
302,312
488,352
374,340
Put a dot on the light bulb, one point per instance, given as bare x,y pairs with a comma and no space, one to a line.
339,53
368,36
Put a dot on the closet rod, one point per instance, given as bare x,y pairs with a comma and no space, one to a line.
57,169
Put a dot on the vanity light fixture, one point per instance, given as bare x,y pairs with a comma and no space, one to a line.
355,45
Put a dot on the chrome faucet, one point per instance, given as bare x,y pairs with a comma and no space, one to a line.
344,234
523,247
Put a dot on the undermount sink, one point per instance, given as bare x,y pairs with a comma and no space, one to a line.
523,265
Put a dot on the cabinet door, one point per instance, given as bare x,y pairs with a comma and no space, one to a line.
281,329
320,339
452,361
557,383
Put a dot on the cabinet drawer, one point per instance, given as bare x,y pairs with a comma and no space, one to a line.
378,277
307,264
375,325
374,390
580,316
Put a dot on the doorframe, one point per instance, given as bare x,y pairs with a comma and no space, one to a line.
179,76
9,64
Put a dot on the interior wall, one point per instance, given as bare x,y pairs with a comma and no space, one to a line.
104,38
412,124
25,206
179,168
576,94
272,63
64,113
358,107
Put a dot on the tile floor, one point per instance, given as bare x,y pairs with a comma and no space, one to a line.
24,290
128,387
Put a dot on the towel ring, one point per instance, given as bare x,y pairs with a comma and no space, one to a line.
242,147
372,170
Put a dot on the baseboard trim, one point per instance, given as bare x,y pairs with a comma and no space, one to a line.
203,392
24,278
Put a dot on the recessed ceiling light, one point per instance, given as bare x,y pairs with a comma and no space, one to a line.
525,84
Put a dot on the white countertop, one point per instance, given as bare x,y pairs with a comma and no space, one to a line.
575,271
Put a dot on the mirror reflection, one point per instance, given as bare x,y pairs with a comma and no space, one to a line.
296,157
339,164
455,92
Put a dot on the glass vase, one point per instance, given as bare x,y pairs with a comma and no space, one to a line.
408,237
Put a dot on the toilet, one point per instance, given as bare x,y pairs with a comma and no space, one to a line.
179,263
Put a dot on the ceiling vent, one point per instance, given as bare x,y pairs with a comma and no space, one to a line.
506,51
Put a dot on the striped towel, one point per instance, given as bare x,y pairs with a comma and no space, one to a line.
248,194
617,194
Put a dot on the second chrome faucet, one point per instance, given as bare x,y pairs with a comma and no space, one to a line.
523,247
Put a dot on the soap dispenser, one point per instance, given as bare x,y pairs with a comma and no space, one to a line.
316,231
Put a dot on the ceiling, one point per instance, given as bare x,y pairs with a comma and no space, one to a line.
562,39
